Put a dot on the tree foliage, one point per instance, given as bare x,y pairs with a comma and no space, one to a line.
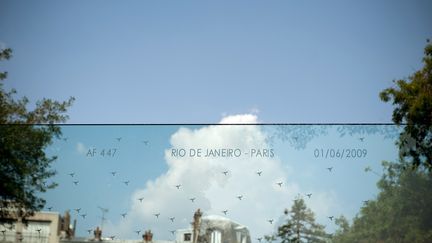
413,107
400,213
24,135
300,225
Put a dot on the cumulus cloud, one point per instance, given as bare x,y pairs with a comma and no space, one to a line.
81,148
204,179
241,118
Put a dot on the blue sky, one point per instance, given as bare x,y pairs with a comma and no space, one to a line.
193,61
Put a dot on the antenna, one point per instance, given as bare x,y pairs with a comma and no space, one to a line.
104,211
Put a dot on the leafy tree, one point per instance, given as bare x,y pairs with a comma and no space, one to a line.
401,212
300,225
24,135
413,101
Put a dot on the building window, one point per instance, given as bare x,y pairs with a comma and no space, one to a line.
216,237
187,237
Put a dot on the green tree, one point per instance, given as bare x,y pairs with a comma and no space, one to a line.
24,134
400,213
413,107
300,225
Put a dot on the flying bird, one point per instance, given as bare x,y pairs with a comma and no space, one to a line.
361,139
89,231
112,237
157,215
295,138
259,173
225,172
331,217
240,197
280,184
146,142
113,173
330,169
270,221
172,231
83,215
126,183
192,199
118,139
49,208
178,186
137,231
366,201
39,230
309,195
77,210
141,199
75,182
72,174
259,239
172,219
225,212
123,215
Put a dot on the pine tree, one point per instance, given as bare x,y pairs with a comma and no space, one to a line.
300,225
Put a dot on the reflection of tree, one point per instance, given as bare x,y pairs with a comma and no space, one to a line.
386,131
298,136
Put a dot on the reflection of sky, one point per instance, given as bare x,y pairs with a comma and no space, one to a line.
342,191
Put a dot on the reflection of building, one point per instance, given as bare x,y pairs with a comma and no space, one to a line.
213,229
42,227
50,227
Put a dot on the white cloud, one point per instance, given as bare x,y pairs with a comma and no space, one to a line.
203,179
242,118
81,148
